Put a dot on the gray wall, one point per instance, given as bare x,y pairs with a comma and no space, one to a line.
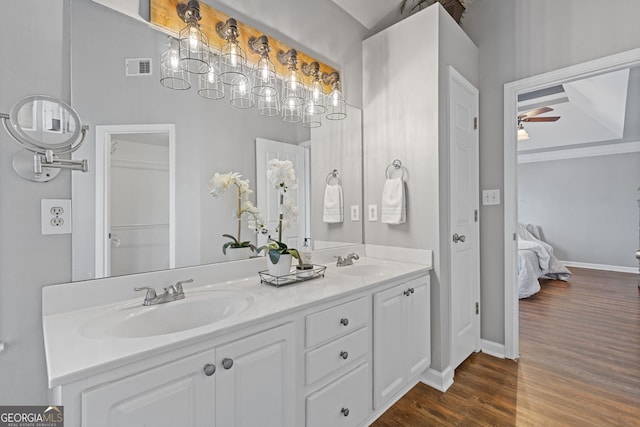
519,39
587,207
41,63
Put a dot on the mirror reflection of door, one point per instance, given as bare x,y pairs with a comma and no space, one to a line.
267,198
138,229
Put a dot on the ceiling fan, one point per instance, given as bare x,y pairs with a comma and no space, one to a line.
530,116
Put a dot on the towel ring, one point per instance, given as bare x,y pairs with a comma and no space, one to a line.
333,174
396,165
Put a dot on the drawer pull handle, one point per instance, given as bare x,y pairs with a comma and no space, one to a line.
344,355
407,293
344,321
345,412
209,369
227,363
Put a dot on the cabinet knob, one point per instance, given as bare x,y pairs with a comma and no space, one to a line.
344,355
209,369
227,363
411,290
407,293
345,412
344,321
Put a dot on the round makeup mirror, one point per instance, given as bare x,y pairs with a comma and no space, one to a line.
48,128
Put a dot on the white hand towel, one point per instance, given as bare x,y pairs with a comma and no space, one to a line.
333,209
393,209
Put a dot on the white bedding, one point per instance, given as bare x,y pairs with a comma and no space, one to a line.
536,260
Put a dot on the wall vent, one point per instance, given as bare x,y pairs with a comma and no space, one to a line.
137,67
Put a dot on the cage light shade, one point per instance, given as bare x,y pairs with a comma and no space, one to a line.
264,78
336,105
316,98
194,49
292,111
233,62
293,87
171,74
241,96
268,105
311,120
209,84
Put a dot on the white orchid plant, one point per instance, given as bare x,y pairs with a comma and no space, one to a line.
282,177
218,185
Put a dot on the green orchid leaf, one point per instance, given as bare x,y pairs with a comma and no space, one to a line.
274,255
225,246
229,236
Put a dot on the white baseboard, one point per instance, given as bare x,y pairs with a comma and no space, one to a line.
492,348
441,381
618,268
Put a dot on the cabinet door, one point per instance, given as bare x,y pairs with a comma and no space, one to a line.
177,394
255,380
418,355
389,338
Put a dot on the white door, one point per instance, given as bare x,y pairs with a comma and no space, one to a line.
464,243
267,197
255,380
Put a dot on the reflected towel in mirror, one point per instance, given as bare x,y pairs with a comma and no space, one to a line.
333,205
394,210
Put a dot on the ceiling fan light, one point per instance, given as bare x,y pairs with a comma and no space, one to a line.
522,133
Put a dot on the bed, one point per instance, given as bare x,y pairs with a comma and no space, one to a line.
535,261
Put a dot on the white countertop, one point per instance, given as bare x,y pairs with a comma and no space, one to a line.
72,354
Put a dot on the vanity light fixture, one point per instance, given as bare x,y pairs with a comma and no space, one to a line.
194,44
292,83
233,60
264,72
316,102
336,105
209,85
241,95
171,74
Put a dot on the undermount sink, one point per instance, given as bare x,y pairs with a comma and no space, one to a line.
364,269
195,310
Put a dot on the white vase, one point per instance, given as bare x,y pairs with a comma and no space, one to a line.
282,268
235,254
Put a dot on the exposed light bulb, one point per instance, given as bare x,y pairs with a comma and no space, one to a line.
293,80
193,39
211,76
264,70
242,87
335,98
233,55
174,59
292,103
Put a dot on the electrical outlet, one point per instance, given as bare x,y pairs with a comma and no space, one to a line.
373,212
56,216
490,197
355,213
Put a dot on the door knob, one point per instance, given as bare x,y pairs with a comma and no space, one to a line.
460,238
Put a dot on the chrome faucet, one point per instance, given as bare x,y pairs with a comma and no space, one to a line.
171,293
343,262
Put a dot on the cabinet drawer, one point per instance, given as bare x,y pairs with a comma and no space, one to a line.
344,402
336,321
336,354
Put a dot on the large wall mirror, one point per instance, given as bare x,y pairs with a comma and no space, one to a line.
155,150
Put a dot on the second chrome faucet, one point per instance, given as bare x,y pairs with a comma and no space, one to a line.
343,262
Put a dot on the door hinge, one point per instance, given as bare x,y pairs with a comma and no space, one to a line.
475,123
477,308
515,237
475,215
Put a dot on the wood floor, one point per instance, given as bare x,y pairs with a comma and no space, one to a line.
579,364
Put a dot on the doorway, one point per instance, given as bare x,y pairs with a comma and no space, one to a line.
608,64
135,199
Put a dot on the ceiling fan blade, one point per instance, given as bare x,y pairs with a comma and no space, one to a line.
541,119
536,112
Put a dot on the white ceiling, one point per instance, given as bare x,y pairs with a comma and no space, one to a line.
369,12
594,111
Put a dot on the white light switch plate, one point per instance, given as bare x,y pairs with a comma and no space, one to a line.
490,197
56,216
373,212
355,213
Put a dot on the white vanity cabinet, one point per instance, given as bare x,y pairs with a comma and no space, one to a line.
176,394
338,344
401,341
247,382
